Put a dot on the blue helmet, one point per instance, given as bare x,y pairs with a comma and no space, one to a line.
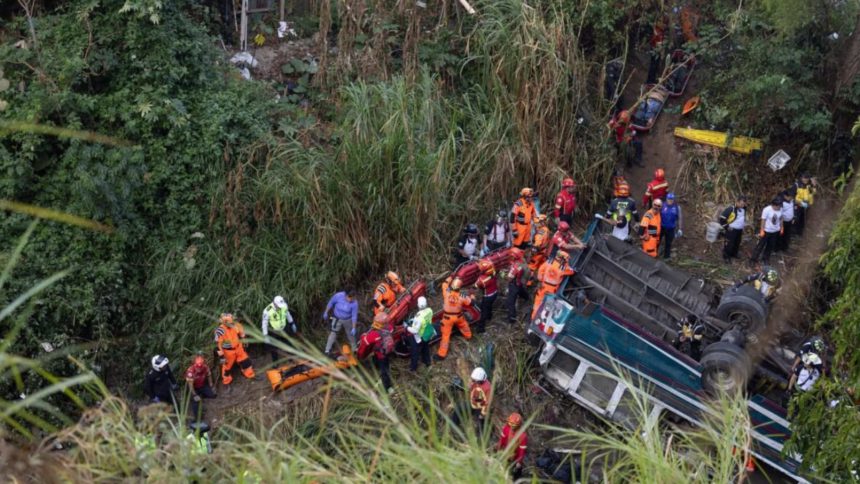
670,196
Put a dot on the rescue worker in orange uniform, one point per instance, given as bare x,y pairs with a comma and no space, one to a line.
564,240
540,243
228,337
550,275
565,201
649,229
452,315
386,292
657,188
522,216
488,282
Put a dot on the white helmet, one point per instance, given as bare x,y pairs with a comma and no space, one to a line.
280,303
811,359
479,375
159,363
422,302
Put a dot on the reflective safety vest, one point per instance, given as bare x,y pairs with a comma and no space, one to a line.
650,224
384,295
454,303
277,317
424,318
766,289
805,193
523,212
479,396
228,338
553,273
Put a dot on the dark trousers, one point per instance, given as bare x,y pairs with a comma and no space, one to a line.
279,336
197,407
799,219
785,238
384,371
667,235
486,308
566,217
765,247
491,246
418,351
515,292
732,243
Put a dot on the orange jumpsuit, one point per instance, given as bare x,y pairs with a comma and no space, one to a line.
385,296
521,221
649,232
541,246
452,315
230,348
551,274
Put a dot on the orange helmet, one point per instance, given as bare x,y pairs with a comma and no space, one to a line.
541,218
624,116
392,277
526,192
562,256
485,265
456,284
563,226
623,189
227,318
380,320
659,174
568,182
515,420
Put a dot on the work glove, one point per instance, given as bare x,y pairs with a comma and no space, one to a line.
196,398
324,316
804,204
680,233
222,360
352,331
156,400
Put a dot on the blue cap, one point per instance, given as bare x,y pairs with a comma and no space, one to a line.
670,196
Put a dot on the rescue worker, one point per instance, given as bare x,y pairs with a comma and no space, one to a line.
766,282
564,239
649,229
497,234
422,331
380,342
275,319
386,292
468,247
787,221
656,189
518,277
804,195
550,275
626,137
814,345
805,375
480,398
198,381
690,334
540,243
565,202
671,220
160,384
657,51
623,200
452,315
341,313
733,221
513,436
228,338
522,216
488,282
617,181
771,228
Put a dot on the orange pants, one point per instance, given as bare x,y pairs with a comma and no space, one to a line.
524,235
540,294
448,323
240,359
537,259
650,244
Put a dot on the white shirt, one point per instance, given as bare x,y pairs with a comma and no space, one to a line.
621,233
498,232
788,211
806,378
772,219
470,246
740,219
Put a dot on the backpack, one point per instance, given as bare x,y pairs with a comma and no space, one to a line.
427,333
386,342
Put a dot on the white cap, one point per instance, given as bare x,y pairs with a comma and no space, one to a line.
479,375
422,302
280,303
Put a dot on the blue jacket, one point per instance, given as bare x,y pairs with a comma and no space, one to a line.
669,215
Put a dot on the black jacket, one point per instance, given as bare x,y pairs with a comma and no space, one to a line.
160,384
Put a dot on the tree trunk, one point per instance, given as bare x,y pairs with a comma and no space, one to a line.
849,62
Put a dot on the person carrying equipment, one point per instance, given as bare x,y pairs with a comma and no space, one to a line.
649,229
512,435
766,282
160,384
671,220
733,221
198,381
518,278
565,202
468,247
386,292
771,229
422,331
522,216
341,312
480,397
275,319
656,189
380,342
487,281
550,275
228,337
564,240
452,315
804,195
540,243
690,334
497,234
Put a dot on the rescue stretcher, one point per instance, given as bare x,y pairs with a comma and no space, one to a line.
286,376
647,111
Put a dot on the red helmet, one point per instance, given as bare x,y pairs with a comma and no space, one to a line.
563,226
485,265
568,182
515,420
624,116
659,173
